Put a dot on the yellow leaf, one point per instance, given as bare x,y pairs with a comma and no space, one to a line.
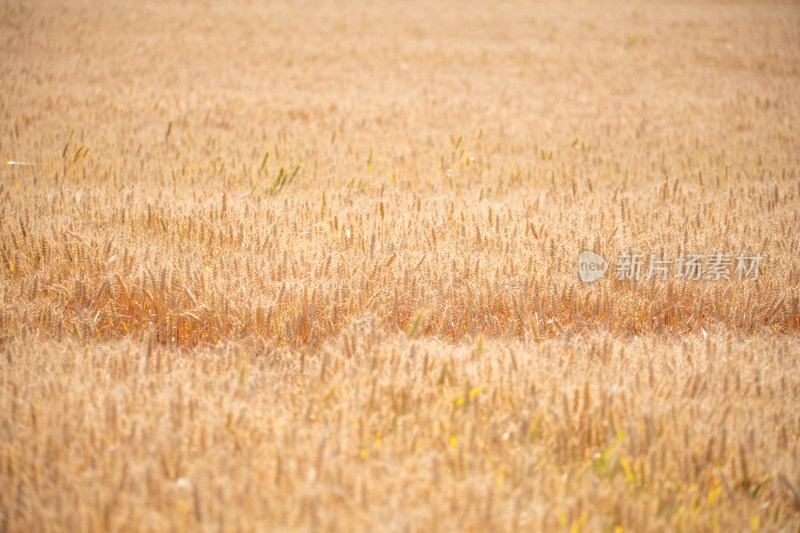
328,393
562,518
754,523
474,392
453,441
576,526
712,494
626,466
11,265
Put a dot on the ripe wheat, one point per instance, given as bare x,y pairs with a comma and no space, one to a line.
318,270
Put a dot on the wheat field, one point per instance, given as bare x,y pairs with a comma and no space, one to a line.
315,266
